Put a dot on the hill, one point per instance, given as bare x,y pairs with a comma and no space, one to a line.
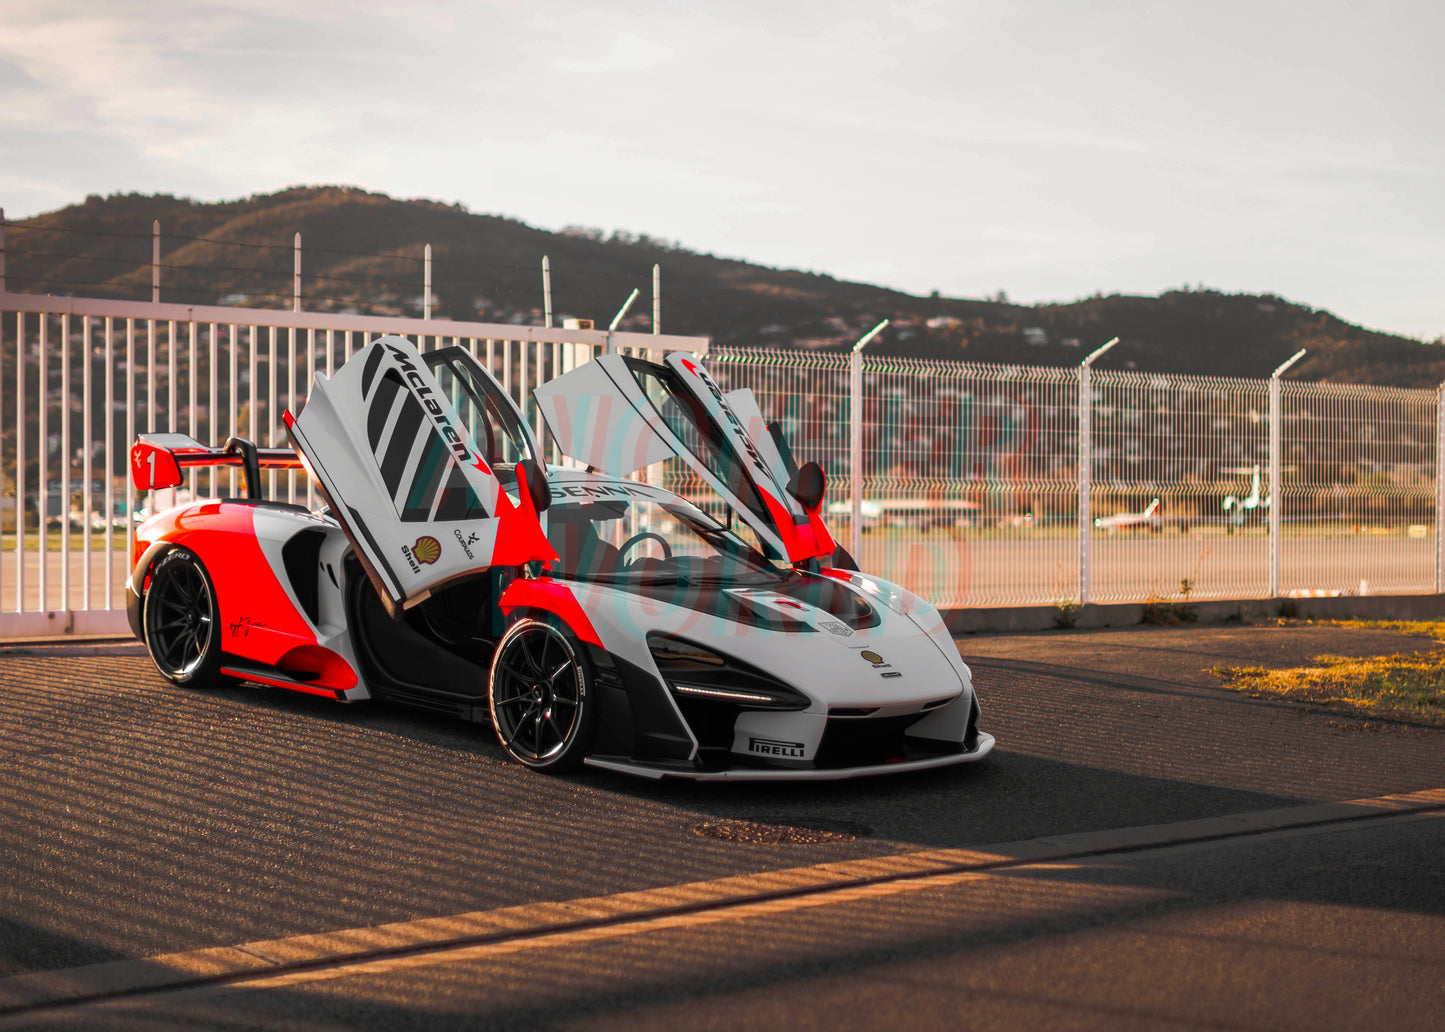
363,252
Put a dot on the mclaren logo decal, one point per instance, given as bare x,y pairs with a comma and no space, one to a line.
419,444
434,409
771,747
733,423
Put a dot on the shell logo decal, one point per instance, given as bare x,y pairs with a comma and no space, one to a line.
427,550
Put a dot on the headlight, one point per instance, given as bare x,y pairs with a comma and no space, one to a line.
694,672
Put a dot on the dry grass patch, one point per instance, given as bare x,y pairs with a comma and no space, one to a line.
1410,685
1413,628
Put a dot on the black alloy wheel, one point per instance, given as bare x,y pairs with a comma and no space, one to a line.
540,695
181,622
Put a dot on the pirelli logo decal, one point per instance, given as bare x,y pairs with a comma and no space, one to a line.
773,747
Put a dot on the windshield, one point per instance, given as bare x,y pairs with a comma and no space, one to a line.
604,536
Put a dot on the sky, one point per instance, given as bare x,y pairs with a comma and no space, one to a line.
1044,148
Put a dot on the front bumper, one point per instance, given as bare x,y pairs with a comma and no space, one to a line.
656,772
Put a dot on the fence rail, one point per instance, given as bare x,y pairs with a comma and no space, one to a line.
970,474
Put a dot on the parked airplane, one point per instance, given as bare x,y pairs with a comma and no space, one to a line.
910,512
1238,510
1149,519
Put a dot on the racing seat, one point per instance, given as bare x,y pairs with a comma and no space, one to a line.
580,548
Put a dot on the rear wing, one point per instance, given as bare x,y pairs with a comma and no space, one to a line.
156,460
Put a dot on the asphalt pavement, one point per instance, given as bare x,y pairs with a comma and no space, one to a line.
141,819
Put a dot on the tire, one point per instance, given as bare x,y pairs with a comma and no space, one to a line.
540,695
181,621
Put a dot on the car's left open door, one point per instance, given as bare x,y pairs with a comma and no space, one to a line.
396,456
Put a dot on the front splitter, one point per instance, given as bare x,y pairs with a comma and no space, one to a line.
984,747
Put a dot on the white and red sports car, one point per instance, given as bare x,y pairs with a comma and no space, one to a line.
588,616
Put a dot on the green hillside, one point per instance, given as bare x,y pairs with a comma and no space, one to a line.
362,252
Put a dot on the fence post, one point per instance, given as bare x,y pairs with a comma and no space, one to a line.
1086,405
1273,501
1440,491
296,275
855,438
656,288
855,452
2,250
617,319
155,261
546,292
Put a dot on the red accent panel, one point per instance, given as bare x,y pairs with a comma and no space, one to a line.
152,468
820,530
549,596
257,619
519,534
318,666
801,540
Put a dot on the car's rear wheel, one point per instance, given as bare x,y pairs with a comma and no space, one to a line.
180,621
540,694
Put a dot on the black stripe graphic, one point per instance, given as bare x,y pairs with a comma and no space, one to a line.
436,460
368,373
458,501
380,410
398,449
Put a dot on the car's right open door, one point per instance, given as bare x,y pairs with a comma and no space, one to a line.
619,414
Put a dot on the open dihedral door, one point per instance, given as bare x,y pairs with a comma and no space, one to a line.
620,414
402,473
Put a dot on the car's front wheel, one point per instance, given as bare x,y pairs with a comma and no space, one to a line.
180,620
540,694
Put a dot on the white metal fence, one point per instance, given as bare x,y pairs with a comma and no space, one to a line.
92,374
971,475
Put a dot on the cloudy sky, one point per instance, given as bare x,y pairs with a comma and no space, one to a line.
1046,148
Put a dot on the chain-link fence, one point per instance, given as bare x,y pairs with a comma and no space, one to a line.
970,474
970,479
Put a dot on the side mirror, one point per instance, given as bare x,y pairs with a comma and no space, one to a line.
532,478
808,484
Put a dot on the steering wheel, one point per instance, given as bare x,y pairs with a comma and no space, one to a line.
643,535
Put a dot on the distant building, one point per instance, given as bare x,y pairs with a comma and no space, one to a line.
1035,336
